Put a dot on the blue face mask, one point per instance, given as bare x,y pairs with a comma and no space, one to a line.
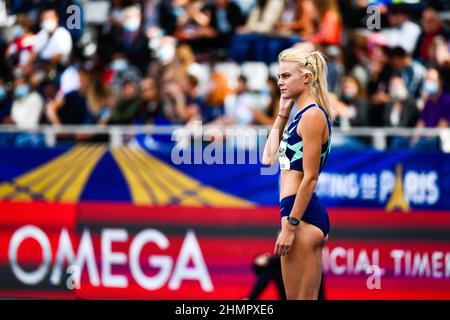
430,87
2,93
17,31
119,65
22,91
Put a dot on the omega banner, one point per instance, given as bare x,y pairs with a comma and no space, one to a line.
88,222
98,251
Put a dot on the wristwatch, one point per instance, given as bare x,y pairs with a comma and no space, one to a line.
293,221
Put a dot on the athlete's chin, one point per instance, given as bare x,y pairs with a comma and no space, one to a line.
285,94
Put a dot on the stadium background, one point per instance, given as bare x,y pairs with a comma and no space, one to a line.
142,226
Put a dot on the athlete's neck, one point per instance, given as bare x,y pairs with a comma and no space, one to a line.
305,99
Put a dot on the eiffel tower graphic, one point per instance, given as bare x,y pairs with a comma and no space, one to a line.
397,199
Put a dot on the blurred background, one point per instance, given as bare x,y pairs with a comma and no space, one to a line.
131,135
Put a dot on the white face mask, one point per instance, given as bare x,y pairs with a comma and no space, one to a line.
49,25
132,25
119,65
349,93
166,53
398,93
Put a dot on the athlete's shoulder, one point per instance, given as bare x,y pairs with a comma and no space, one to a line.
313,115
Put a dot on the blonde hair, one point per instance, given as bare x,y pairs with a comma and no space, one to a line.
313,62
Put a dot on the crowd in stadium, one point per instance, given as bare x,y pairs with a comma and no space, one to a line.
178,61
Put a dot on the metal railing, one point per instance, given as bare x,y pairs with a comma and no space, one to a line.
378,135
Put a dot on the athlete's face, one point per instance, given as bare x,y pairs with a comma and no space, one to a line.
291,81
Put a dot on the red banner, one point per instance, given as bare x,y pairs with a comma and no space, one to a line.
106,250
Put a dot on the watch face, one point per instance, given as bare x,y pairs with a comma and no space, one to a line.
293,221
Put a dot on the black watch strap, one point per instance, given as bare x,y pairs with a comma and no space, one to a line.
293,221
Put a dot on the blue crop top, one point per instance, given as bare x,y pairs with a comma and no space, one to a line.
290,152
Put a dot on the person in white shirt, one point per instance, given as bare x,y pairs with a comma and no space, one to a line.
403,32
27,105
53,43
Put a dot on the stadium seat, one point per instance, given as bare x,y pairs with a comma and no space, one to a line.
231,70
256,73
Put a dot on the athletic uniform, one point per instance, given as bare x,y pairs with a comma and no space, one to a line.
291,158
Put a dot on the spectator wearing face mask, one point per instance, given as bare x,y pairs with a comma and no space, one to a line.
52,45
132,40
119,70
352,111
401,111
27,104
434,107
19,49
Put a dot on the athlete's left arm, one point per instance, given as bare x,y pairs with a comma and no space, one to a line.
311,128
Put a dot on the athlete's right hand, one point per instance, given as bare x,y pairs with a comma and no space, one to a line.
285,238
286,106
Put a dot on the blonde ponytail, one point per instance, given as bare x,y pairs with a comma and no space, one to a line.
320,84
315,63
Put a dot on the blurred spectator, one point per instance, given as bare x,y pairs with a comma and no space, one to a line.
268,115
295,22
99,99
431,27
249,42
119,71
238,107
52,45
192,22
27,105
70,80
20,47
5,103
72,107
434,102
330,28
374,72
373,67
411,70
127,107
159,16
110,31
402,32
215,100
352,110
440,59
132,40
401,111
225,17
263,17
151,104
182,102
297,18
336,68
434,108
